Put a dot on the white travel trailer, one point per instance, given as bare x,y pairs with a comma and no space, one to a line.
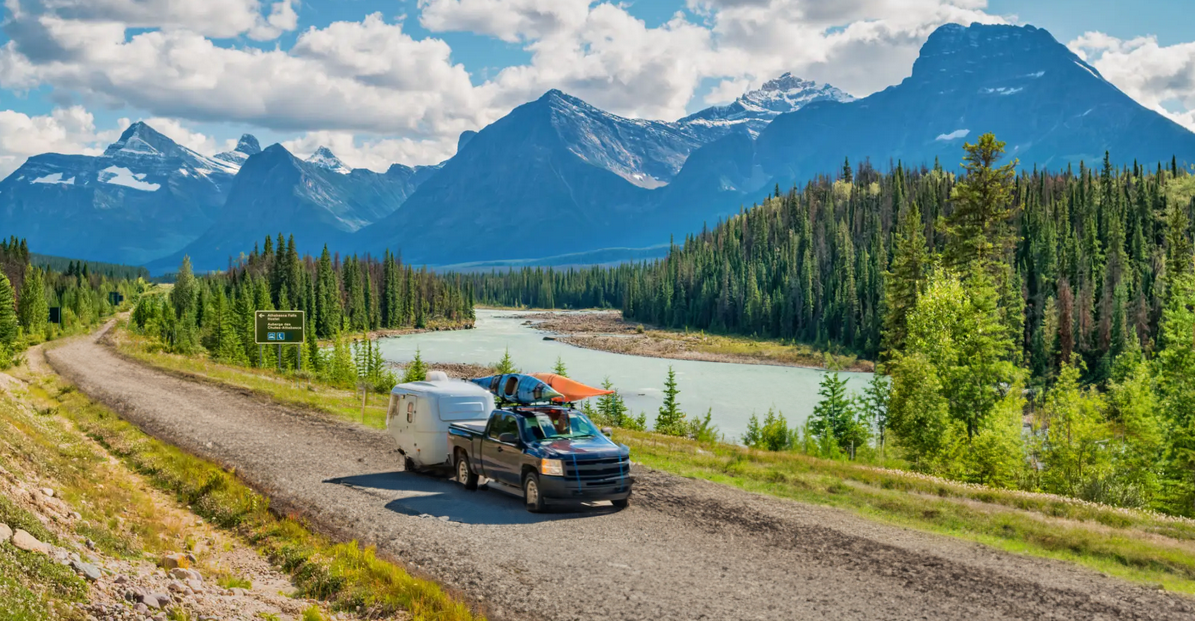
420,413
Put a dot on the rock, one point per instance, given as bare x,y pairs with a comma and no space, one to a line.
195,585
179,573
49,493
5,533
176,587
24,541
121,579
175,560
90,544
155,601
191,558
87,570
140,608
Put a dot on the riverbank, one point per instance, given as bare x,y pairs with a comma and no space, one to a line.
606,330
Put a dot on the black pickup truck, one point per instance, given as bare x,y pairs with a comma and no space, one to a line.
548,453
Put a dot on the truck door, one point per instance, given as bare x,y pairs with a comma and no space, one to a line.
501,459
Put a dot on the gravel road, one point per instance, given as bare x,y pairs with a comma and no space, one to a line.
685,549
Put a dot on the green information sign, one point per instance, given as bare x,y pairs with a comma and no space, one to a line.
279,327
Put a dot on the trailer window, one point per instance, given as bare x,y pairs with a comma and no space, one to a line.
393,409
411,411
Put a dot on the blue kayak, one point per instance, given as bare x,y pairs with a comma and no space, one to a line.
518,388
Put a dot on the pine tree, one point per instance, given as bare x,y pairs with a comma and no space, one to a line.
560,369
34,311
8,314
506,365
184,293
671,420
978,229
904,281
416,371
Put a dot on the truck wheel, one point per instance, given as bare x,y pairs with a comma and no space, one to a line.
622,504
532,496
464,474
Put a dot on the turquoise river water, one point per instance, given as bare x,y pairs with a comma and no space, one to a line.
732,391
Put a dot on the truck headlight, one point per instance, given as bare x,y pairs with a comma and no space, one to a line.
551,467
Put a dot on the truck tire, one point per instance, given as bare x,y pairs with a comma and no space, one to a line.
464,473
532,496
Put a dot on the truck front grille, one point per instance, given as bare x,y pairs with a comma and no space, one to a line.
597,472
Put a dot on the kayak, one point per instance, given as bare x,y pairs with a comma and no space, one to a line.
571,389
518,388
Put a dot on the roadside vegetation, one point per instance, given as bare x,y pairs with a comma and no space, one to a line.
122,520
30,285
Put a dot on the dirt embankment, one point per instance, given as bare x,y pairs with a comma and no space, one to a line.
608,331
685,549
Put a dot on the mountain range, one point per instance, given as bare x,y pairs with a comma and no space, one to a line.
558,180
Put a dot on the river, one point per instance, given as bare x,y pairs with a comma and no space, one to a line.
731,391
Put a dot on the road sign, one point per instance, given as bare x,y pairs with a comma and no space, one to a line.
56,315
279,327
115,298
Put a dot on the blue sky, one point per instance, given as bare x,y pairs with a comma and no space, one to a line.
398,80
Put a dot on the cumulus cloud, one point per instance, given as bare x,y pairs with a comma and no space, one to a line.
509,20
374,154
64,130
213,18
1150,73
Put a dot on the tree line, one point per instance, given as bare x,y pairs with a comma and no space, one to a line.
339,296
28,292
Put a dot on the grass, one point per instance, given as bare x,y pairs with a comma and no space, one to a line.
234,582
1138,546
344,574
1135,545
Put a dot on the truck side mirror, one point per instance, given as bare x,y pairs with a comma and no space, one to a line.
508,438
606,431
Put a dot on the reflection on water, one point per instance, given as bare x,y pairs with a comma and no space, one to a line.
733,391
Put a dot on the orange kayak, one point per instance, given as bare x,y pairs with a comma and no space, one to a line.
571,389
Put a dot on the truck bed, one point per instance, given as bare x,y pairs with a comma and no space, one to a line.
468,428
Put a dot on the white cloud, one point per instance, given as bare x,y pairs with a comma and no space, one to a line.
1150,73
509,20
64,130
374,154
214,18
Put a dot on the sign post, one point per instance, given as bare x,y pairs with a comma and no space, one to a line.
56,315
280,328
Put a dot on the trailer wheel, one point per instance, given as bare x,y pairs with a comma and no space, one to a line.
408,464
464,474
532,496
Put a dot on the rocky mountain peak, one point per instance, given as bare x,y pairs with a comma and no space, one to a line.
324,158
141,139
248,145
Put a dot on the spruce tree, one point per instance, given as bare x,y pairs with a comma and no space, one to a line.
183,295
416,371
8,313
905,279
34,311
559,368
671,420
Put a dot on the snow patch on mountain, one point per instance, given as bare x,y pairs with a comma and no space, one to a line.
123,176
54,178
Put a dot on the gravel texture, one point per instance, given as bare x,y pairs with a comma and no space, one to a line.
685,549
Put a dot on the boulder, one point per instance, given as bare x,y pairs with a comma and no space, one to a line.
87,570
156,601
180,573
24,541
174,561
5,533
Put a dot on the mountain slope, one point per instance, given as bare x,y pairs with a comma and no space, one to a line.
145,196
318,201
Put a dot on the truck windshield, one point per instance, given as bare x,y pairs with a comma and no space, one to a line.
559,425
